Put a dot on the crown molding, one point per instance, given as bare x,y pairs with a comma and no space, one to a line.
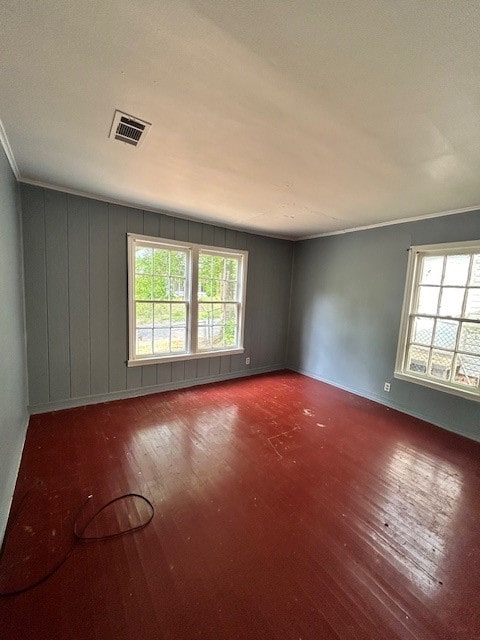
178,214
389,223
169,212
8,151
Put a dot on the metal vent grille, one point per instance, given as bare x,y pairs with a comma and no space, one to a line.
129,129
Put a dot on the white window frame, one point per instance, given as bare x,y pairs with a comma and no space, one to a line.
416,253
193,249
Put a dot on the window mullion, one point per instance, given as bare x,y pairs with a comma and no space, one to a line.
413,307
432,347
193,323
465,293
439,302
416,284
462,318
132,307
409,340
441,286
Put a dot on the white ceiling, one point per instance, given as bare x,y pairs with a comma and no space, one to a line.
289,118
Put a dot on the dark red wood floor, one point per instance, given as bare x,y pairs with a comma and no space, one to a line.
285,509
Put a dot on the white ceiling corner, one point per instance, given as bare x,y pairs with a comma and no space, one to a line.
4,141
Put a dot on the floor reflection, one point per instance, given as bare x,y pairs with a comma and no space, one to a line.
183,451
421,496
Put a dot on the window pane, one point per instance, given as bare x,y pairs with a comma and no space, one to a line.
162,340
217,335
178,263
144,314
445,334
144,260
143,287
230,335
204,338
428,300
144,342
177,288
432,267
178,339
472,309
470,338
218,266
204,289
231,314
161,288
179,314
218,313
451,302
231,269
441,364
475,275
204,266
204,313
217,287
456,270
423,330
467,370
230,290
162,314
217,326
231,317
418,359
216,290
161,262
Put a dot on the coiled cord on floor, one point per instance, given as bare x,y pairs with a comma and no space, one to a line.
78,535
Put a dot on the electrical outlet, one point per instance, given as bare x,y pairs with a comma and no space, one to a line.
247,360
386,386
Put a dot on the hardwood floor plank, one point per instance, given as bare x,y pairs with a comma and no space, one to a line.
284,509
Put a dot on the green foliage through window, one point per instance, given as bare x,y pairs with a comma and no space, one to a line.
162,304
160,300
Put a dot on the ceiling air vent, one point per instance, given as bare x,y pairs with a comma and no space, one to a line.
128,129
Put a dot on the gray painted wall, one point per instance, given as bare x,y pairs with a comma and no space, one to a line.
76,299
345,315
13,379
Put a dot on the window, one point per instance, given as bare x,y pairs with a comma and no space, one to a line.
185,300
439,343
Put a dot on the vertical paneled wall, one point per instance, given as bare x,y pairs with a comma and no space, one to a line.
76,298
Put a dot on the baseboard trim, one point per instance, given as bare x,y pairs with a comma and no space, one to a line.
145,391
391,405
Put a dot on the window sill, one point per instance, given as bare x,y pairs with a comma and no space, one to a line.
142,362
438,386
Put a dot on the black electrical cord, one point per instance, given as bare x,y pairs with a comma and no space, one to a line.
142,525
78,536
